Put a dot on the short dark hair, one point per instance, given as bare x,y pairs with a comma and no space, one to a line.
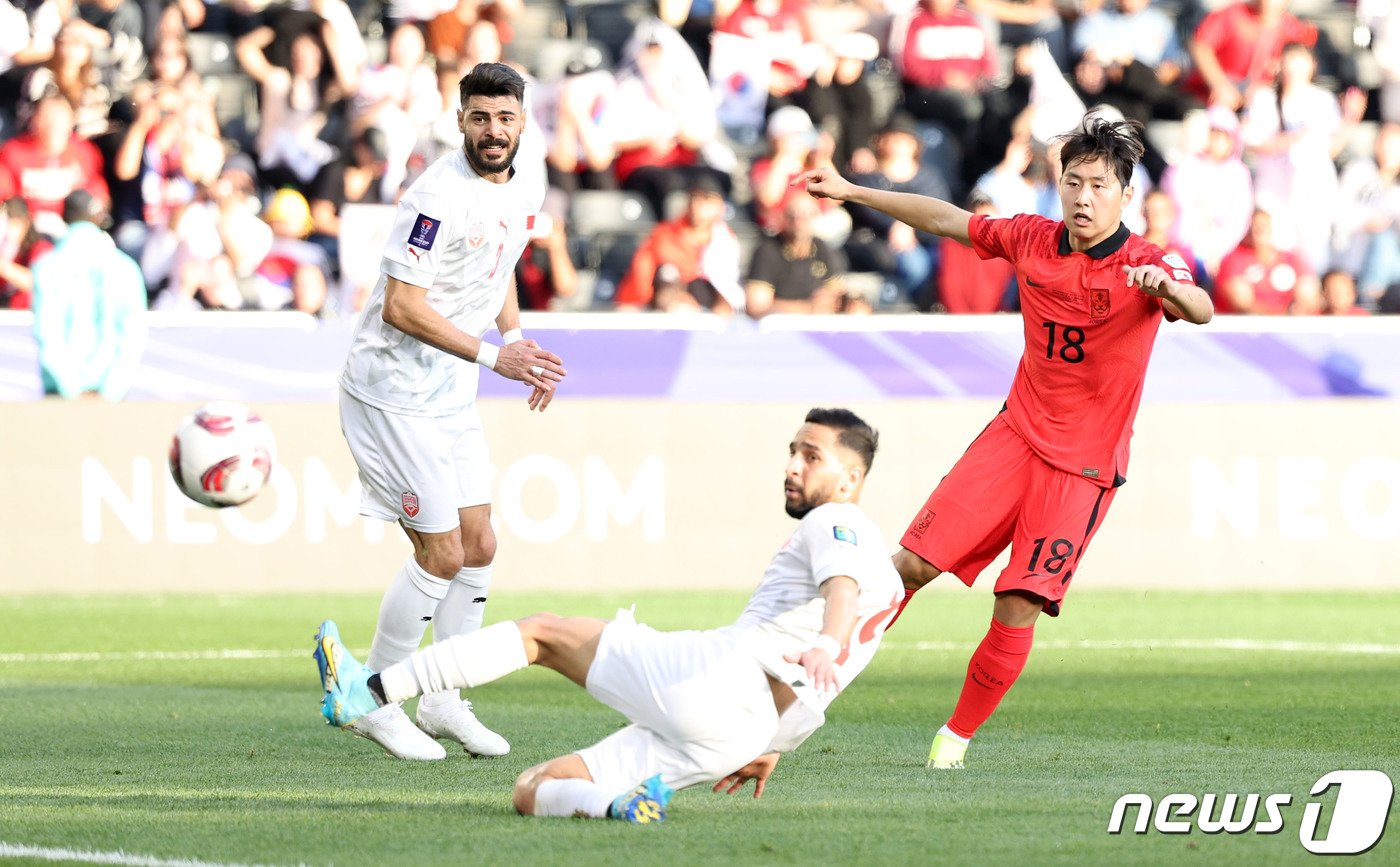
491,79
854,433
1118,142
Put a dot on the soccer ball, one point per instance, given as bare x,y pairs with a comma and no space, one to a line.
222,454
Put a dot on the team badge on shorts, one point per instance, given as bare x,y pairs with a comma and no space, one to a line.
476,235
424,232
1098,303
410,504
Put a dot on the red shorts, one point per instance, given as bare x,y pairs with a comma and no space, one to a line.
999,493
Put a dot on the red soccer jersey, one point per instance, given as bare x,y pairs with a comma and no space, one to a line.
43,181
1088,338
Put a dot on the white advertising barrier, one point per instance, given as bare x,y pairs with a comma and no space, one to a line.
648,493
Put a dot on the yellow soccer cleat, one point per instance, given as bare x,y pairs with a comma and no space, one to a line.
946,752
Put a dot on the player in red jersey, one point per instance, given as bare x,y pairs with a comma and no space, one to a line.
1042,475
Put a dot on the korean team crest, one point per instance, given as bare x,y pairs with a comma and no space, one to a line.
410,504
1098,303
476,235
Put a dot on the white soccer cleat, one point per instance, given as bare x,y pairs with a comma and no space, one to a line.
391,728
455,721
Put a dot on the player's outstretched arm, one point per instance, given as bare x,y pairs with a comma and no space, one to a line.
758,770
406,308
924,213
1183,300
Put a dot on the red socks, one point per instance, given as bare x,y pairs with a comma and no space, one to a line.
908,594
995,665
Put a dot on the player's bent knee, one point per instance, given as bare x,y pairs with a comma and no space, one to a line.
538,627
479,551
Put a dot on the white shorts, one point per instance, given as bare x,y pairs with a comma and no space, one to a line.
417,470
700,705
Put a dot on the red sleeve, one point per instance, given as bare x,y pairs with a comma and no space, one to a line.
636,287
1298,30
1175,265
1002,237
1213,29
9,185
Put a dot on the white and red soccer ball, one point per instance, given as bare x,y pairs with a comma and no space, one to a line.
222,455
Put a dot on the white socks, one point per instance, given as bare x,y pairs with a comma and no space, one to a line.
408,606
947,732
567,798
460,661
460,613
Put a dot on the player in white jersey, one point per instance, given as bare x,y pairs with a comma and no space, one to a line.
718,705
408,391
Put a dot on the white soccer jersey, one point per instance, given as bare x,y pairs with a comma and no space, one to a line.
784,615
458,236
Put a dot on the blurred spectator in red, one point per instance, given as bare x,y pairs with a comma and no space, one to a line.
878,242
1259,277
781,30
691,262
1339,295
399,98
296,104
662,116
450,30
20,248
966,282
571,112
946,62
1293,132
1213,192
293,275
794,147
72,73
1369,202
49,161
545,275
1237,48
794,271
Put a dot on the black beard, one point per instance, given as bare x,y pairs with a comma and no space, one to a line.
800,510
482,166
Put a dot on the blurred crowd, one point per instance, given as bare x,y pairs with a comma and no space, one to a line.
224,147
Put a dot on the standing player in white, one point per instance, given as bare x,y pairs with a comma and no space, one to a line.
408,392
715,706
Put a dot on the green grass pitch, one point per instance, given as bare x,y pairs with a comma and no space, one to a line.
121,729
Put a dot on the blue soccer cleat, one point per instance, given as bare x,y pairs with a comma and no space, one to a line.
643,805
343,677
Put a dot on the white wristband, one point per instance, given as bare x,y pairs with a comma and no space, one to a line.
487,354
512,335
827,643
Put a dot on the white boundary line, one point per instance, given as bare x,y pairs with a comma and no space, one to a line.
1245,644
45,853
